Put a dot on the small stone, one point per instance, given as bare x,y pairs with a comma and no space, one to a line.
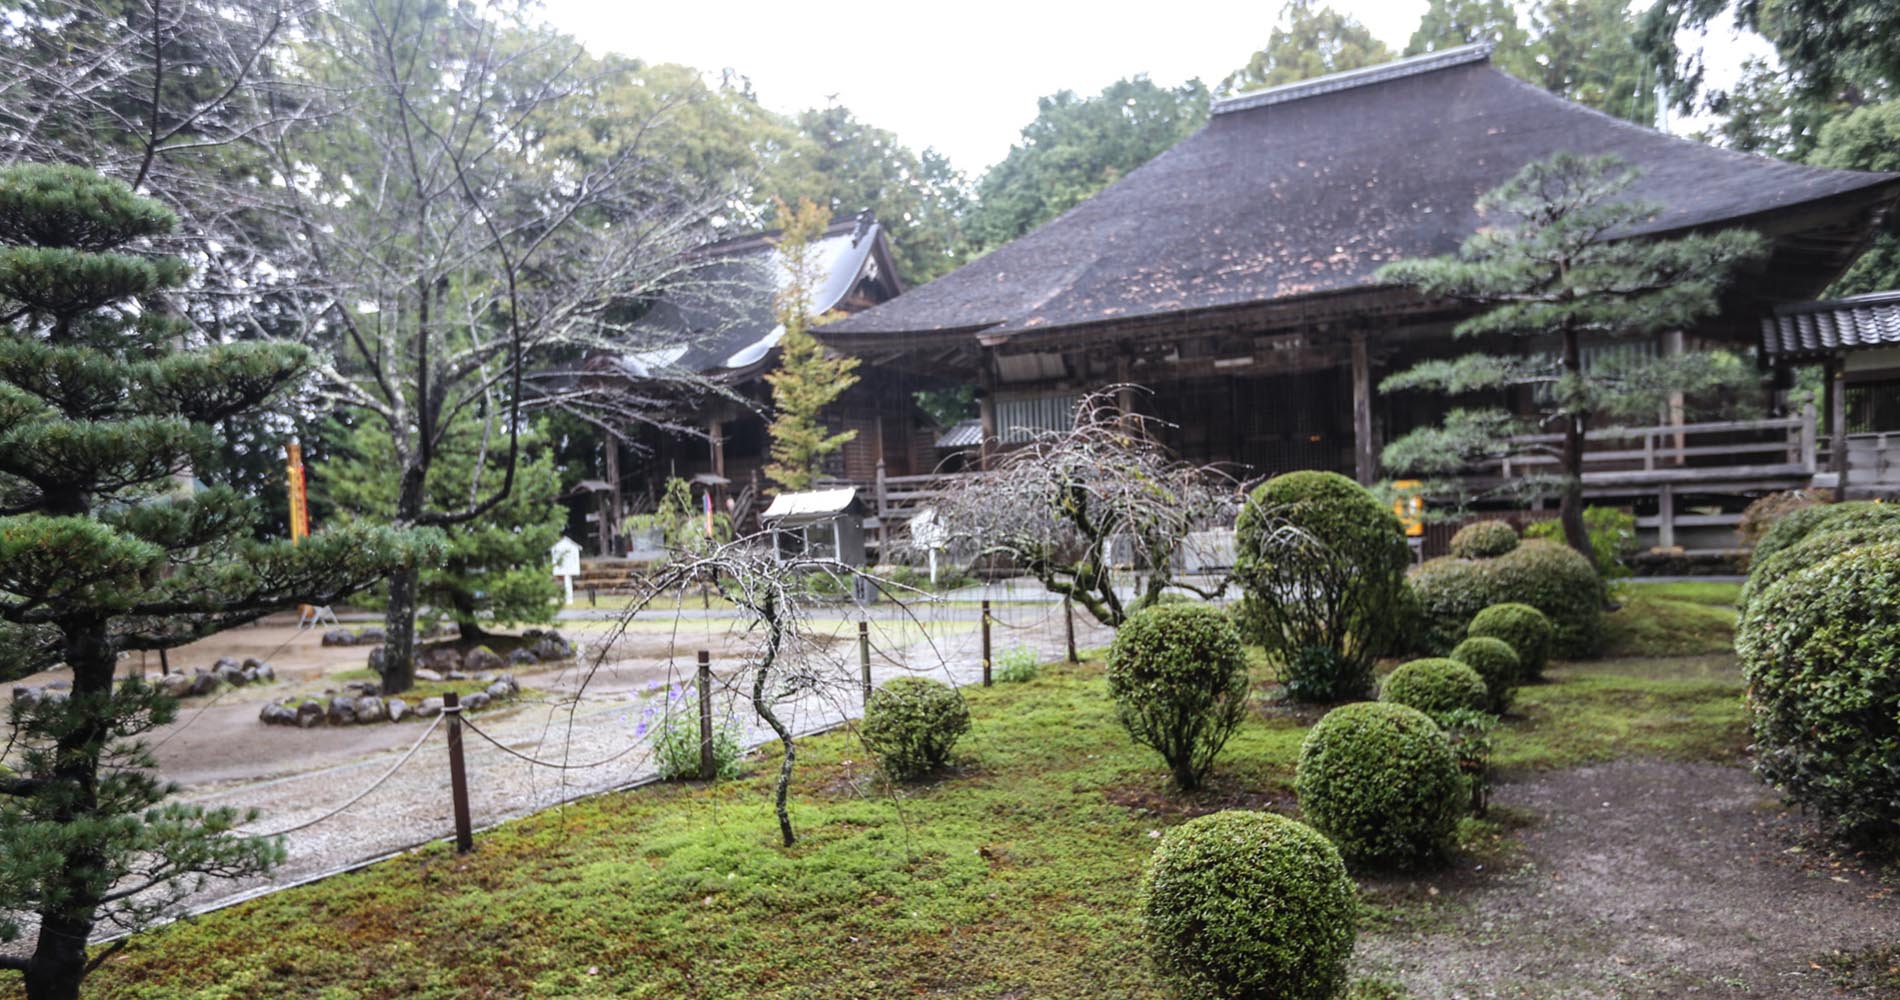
378,660
370,708
551,648
174,685
397,708
498,691
309,713
429,708
425,674
342,711
59,685
455,675
370,635
522,658
475,702
275,714
482,658
249,674
266,673
232,674
252,663
224,663
339,637
203,684
514,686
26,697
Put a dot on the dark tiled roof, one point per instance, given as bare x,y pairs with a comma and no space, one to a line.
1310,188
1817,328
726,321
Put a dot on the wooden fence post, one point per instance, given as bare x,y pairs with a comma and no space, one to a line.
458,774
1068,627
986,642
864,658
708,767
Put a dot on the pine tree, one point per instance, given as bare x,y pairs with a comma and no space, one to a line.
496,570
1550,263
807,378
107,402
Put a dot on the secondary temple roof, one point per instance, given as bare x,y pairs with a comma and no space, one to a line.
1309,188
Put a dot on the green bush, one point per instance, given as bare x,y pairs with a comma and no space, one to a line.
1805,521
1563,585
1612,538
677,749
1469,732
1497,663
1381,781
1249,904
1816,547
1821,653
1179,679
1019,665
1483,540
1321,564
1435,685
1524,629
911,723
1446,592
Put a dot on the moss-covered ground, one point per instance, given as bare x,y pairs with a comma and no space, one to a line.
1011,875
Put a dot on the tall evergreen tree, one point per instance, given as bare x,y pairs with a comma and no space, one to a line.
1866,138
496,570
808,378
1547,266
107,402
1311,40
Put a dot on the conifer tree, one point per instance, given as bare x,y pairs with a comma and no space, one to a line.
496,571
107,403
807,378
1555,260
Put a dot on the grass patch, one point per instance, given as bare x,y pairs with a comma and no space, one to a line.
1672,619
1013,875
1869,972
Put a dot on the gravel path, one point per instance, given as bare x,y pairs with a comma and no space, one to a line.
413,805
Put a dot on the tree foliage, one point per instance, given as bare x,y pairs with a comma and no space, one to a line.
1866,138
1552,263
808,377
1077,146
1311,39
107,402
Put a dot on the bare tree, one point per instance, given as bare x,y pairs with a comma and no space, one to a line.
1067,506
477,215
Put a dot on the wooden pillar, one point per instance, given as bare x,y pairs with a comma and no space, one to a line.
1837,424
1678,406
610,516
1125,394
716,441
986,409
1364,467
1666,517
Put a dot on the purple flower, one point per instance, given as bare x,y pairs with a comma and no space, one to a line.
640,730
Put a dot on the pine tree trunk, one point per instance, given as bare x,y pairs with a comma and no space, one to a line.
59,956
1575,423
465,623
405,584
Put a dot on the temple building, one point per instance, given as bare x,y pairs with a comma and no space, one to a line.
1232,278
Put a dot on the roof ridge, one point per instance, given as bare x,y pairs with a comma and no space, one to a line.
1882,298
1348,79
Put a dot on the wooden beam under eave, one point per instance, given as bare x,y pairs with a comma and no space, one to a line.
1364,468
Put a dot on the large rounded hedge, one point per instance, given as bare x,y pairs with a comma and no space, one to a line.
1799,524
1321,564
1446,593
1815,548
1497,663
1548,576
1435,686
1247,905
911,723
1524,628
1380,780
1178,675
1821,653
1483,540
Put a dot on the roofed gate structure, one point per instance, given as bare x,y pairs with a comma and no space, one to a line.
1232,274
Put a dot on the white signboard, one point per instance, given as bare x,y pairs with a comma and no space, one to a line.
566,554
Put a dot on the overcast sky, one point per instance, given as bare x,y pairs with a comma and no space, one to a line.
960,75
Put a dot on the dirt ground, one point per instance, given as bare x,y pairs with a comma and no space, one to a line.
1638,878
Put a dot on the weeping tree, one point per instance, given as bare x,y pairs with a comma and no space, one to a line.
107,404
1563,260
1067,506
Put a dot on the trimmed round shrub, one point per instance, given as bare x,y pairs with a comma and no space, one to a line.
1497,663
1249,904
1179,679
1435,686
1524,629
1801,523
1821,653
1381,782
911,723
1483,540
1321,563
1446,592
1816,548
1556,580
